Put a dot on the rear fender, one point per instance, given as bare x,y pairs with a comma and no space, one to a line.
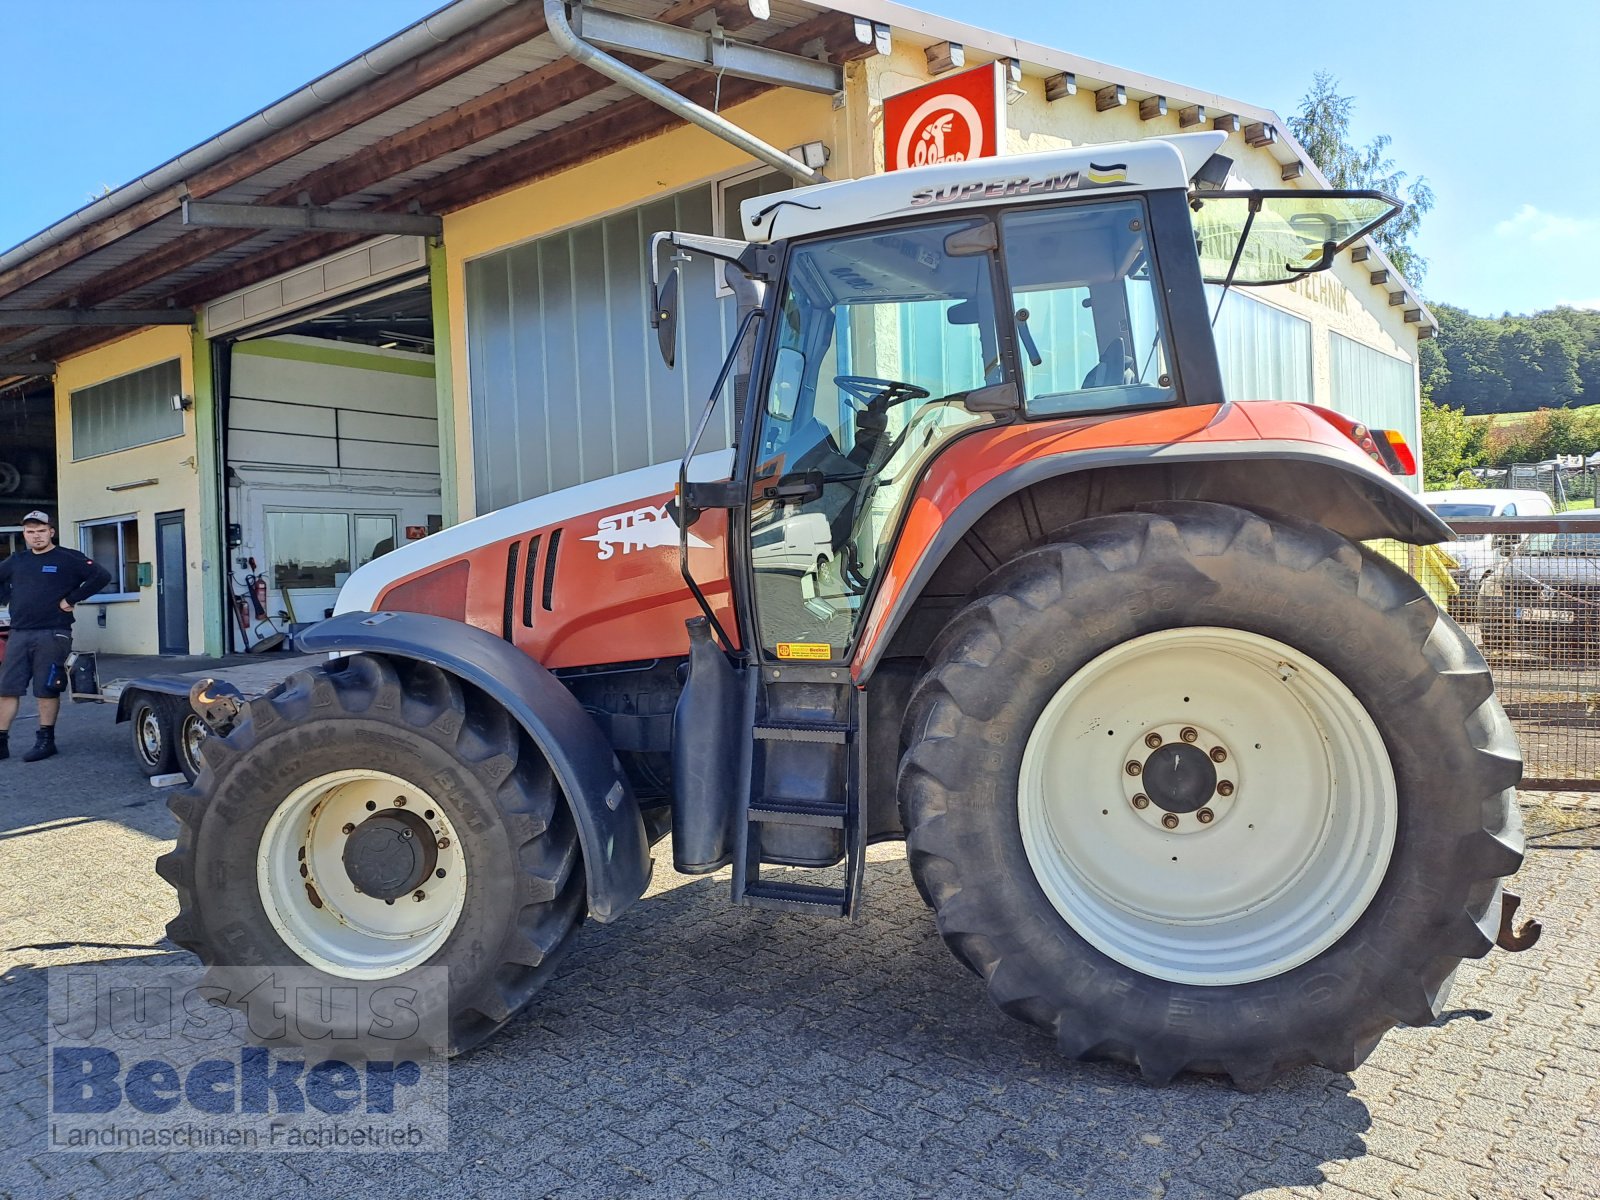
1299,478
616,853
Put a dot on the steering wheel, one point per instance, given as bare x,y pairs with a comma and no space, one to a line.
867,392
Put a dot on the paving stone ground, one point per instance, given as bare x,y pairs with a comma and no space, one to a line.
698,1049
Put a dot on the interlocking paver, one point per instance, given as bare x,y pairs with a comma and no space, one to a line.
696,1049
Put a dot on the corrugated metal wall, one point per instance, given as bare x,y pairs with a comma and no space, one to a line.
131,410
1265,352
566,382
1375,388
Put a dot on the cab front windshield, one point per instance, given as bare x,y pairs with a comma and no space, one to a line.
881,339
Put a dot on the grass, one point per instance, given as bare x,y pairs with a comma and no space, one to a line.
1511,420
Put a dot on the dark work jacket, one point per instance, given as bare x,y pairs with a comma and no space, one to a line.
36,584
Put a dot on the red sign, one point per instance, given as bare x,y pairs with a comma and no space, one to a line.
948,120
416,533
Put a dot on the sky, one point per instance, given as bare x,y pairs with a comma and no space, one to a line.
1483,99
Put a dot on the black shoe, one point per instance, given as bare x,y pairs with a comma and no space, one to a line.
5,746
44,745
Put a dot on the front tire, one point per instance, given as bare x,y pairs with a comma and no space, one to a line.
1063,792
286,845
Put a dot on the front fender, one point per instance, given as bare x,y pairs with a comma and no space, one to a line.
616,853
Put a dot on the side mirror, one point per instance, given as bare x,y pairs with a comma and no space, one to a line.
665,318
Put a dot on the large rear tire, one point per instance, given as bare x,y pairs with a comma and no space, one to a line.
1200,790
340,766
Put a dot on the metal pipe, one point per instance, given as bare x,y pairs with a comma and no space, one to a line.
380,60
555,18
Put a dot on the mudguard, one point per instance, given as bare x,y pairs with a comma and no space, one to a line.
156,685
616,853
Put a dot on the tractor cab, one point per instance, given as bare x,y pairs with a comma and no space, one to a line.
889,318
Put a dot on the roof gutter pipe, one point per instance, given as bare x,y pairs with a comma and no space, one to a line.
567,39
406,45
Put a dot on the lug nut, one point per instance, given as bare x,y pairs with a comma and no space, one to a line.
1170,821
399,801
348,828
1205,816
419,894
1225,788
1141,801
1189,735
1153,740
1218,754
1133,768
444,843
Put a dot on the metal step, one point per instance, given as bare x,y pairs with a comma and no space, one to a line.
829,814
834,732
797,897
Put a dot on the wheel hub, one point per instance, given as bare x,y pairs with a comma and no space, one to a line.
1180,778
390,854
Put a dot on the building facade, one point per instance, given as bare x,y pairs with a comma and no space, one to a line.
326,396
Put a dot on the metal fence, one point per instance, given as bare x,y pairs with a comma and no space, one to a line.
1527,590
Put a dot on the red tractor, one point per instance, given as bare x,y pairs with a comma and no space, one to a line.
1189,777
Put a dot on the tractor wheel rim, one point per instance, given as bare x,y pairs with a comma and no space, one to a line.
1254,882
310,883
148,725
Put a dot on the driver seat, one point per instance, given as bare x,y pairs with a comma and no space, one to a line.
1115,368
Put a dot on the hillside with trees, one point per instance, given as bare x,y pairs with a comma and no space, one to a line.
1513,363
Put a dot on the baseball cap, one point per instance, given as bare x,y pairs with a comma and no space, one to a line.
37,517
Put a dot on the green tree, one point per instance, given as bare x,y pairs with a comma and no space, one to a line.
1322,126
1447,445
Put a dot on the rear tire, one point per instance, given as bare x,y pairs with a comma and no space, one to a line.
502,887
1334,888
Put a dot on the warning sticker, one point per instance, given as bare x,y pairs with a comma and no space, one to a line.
805,650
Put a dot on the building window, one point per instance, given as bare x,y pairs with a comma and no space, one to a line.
131,410
1264,352
319,549
113,543
1375,388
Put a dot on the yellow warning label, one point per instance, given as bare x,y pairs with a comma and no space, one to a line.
807,650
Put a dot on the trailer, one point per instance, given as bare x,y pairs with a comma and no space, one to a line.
166,727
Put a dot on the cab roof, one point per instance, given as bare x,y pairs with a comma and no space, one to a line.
1112,167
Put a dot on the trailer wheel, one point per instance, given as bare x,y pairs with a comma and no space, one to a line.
186,733
150,725
373,817
1197,789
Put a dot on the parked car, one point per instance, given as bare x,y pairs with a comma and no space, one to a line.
1545,596
1476,554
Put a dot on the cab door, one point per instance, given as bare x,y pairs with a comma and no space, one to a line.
881,342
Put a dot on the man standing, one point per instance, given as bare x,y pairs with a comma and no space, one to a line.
42,587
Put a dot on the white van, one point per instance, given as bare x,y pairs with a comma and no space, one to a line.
1475,553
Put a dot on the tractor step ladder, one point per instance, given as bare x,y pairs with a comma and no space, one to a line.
797,748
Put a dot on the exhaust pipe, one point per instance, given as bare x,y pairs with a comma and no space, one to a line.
575,48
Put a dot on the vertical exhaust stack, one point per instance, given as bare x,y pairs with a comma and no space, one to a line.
555,16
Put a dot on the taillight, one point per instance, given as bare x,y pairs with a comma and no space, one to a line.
1386,447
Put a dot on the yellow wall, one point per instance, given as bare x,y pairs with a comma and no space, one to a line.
631,176
84,495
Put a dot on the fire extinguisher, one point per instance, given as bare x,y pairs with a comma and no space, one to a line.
258,596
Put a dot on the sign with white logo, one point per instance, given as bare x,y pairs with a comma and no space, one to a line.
950,120
639,529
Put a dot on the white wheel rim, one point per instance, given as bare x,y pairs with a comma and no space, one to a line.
343,931
1287,863
148,725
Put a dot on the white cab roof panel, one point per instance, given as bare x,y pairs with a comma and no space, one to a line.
1141,166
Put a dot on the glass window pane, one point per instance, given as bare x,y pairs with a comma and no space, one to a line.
1089,320
308,548
374,536
100,543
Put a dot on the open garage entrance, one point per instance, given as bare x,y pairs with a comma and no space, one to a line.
331,452
27,457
